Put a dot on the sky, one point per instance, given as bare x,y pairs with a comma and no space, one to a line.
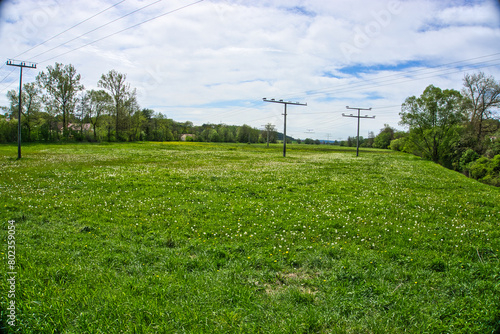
213,61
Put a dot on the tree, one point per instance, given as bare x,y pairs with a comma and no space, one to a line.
433,119
136,123
48,129
213,136
351,141
370,140
8,127
163,127
227,133
31,101
100,102
131,123
61,83
383,139
149,123
247,134
270,133
82,108
482,97
122,95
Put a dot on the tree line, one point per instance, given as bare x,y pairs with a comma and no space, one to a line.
458,129
56,107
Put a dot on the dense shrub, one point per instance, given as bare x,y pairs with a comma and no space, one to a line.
478,169
494,166
398,144
493,144
486,170
493,181
383,140
467,157
8,131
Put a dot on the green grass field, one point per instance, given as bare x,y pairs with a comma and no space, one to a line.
227,238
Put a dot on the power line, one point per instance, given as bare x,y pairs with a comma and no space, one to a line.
447,71
102,26
402,79
387,107
180,8
120,31
261,119
400,75
76,25
7,87
231,112
7,75
238,110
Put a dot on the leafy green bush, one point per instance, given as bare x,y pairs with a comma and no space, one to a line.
493,144
397,144
494,167
478,169
486,170
383,140
489,179
467,157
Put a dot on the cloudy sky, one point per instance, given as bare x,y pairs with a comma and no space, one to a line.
214,60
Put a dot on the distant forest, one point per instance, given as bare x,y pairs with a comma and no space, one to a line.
56,107
457,129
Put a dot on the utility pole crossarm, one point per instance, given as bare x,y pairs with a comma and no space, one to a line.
20,63
285,103
354,116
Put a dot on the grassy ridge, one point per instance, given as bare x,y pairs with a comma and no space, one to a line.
191,237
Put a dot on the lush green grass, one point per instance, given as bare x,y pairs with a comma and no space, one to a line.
207,238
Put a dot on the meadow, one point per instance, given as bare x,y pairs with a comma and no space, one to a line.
234,238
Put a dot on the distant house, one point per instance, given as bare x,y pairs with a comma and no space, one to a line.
185,136
77,127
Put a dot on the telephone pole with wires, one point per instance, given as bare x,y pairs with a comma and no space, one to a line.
20,64
358,117
285,103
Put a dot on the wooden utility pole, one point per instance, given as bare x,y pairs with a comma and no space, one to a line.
358,117
285,103
20,64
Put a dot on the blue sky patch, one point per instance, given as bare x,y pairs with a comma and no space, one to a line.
301,10
329,98
329,74
373,96
359,69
